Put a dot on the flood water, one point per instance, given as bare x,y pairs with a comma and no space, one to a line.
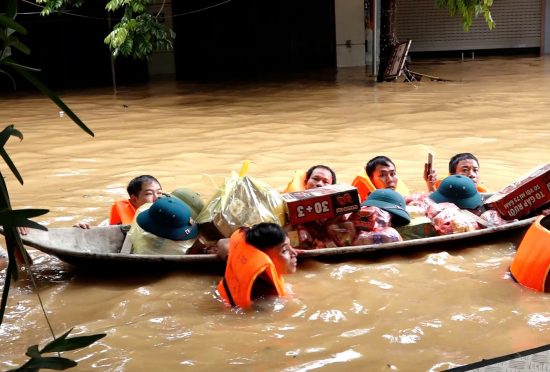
425,311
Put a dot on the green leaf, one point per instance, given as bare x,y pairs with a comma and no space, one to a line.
4,136
19,217
7,132
11,10
10,23
55,98
64,343
18,66
56,363
16,43
33,352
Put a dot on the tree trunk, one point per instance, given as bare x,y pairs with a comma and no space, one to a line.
388,39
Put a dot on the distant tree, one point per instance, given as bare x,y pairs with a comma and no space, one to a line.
467,9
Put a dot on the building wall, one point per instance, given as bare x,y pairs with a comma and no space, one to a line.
350,32
162,62
252,37
518,24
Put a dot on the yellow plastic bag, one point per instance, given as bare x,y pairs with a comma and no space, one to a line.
242,201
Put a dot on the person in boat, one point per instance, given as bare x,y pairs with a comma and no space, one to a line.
465,164
258,258
316,176
142,189
379,173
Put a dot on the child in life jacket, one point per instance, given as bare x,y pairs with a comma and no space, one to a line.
258,258
142,189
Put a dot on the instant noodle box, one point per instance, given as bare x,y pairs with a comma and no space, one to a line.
524,196
321,203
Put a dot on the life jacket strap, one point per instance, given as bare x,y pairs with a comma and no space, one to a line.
228,292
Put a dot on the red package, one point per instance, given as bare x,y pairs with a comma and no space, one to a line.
370,218
435,208
452,220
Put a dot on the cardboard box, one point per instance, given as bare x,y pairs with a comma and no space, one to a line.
524,196
321,203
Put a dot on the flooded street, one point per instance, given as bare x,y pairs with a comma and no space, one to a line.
427,311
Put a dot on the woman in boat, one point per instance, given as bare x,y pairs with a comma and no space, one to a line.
258,259
380,173
316,176
465,164
142,189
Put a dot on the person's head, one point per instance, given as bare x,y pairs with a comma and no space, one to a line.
382,172
318,176
392,202
143,189
271,239
465,164
458,189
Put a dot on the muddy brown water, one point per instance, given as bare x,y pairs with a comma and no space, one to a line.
424,311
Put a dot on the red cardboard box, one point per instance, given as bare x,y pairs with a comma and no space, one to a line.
524,196
321,203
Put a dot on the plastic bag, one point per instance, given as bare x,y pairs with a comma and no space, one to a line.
452,220
370,218
493,218
383,235
242,201
342,233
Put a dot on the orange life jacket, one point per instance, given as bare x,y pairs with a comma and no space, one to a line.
122,212
244,264
531,263
297,183
365,187
479,188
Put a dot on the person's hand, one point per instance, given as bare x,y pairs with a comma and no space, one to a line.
82,225
430,176
223,248
23,230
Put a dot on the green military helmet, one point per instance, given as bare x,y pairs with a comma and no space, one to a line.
191,198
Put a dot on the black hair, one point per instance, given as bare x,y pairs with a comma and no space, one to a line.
376,161
310,171
265,235
134,186
458,158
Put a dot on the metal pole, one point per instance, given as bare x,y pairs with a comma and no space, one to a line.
375,39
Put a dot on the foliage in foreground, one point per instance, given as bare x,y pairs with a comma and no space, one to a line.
11,219
63,343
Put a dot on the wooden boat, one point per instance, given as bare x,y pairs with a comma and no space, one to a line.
108,246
